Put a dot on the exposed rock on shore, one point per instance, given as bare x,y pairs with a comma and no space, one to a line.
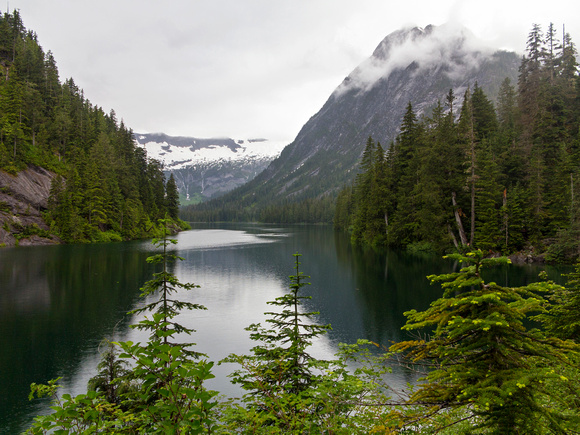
23,198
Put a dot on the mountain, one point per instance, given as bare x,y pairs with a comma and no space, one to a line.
208,168
411,65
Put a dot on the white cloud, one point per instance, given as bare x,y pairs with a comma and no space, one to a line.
246,68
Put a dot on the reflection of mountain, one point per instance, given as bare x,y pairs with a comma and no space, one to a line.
55,302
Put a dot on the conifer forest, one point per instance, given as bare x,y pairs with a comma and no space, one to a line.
499,178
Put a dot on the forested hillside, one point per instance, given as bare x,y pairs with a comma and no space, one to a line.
104,187
496,178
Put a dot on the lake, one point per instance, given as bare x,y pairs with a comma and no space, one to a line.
58,302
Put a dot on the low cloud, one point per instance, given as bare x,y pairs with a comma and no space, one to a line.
450,45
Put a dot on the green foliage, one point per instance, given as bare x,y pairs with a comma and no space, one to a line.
113,378
5,207
563,319
165,309
23,232
172,197
162,392
82,414
422,247
484,364
289,391
485,370
280,366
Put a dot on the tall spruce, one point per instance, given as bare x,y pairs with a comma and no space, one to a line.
363,186
172,197
164,389
405,177
280,367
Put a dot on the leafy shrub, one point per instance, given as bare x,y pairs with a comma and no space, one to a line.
5,207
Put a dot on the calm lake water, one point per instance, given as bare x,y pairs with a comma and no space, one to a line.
58,302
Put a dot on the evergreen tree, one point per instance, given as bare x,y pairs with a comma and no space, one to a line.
282,358
490,231
441,174
166,391
376,228
485,366
470,138
165,309
172,197
344,208
289,391
113,378
362,191
529,84
484,117
280,367
563,318
405,177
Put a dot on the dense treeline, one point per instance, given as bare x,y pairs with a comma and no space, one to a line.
310,210
496,178
106,187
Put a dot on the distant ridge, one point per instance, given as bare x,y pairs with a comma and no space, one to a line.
207,168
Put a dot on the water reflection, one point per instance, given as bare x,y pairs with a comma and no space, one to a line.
57,303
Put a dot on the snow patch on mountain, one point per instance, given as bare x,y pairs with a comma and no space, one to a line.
181,152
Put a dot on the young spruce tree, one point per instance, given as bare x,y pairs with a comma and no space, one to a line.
169,394
288,390
486,368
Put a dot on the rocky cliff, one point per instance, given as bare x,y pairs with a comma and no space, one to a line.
23,198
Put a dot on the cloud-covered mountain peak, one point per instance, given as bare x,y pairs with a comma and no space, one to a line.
450,46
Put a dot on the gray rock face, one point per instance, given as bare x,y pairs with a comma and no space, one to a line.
22,199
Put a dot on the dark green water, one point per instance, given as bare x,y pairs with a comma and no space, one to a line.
57,303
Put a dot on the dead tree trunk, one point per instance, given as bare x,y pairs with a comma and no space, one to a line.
462,236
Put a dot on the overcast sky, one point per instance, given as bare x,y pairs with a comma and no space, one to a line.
246,68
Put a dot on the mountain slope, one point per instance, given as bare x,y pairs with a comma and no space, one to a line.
411,65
